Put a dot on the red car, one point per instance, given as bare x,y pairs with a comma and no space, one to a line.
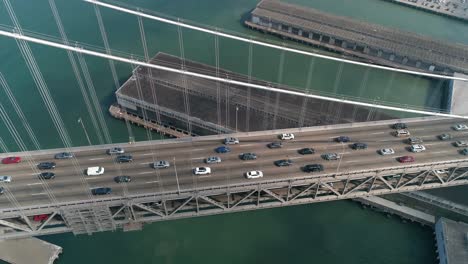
406,159
40,218
11,160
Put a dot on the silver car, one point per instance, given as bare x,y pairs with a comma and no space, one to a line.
161,164
115,150
231,141
211,160
386,151
64,155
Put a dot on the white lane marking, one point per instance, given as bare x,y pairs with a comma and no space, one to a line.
197,149
351,161
246,145
296,158
145,163
42,193
97,159
430,144
385,140
204,176
152,182
342,153
249,162
147,154
377,133
198,158
92,178
437,152
37,183
292,149
332,137
146,172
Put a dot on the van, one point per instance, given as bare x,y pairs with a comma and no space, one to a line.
94,171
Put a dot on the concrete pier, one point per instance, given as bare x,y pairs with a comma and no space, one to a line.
28,251
457,9
452,241
458,96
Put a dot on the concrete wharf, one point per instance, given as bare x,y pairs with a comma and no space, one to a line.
452,241
450,8
28,251
375,43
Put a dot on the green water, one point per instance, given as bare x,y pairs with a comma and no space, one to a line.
334,232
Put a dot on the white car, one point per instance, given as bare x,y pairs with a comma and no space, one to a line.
441,171
417,148
287,136
5,178
161,164
461,143
115,150
386,151
95,171
231,141
211,160
460,127
201,170
402,133
253,174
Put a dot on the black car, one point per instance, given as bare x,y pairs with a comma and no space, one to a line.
274,145
101,191
248,156
283,163
120,179
64,155
124,158
2,190
47,175
313,168
46,165
342,139
359,146
306,151
400,126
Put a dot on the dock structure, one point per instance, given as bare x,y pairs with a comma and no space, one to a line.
452,241
450,8
458,96
371,42
206,107
28,250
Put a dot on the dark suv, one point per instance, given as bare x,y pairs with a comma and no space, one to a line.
248,156
400,126
124,158
342,139
274,145
47,175
306,151
359,146
312,168
283,163
101,191
121,179
46,165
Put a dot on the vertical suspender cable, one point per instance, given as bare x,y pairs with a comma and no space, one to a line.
305,100
184,80
249,89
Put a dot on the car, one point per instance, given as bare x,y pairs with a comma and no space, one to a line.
124,158
445,136
5,178
46,165
460,127
402,133
11,160
115,150
441,171
231,141
306,151
40,218
121,179
202,170
248,156
359,146
415,140
94,171
160,164
312,168
417,148
399,126
253,174
274,145
47,175
464,151
2,190
283,163
64,155
287,136
342,139
461,143
101,191
406,159
386,151
222,149
211,160
331,156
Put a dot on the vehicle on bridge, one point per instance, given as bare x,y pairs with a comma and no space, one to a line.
248,156
460,127
160,164
464,151
231,141
415,140
94,171
211,160
222,149
386,151
274,145
406,159
359,145
461,143
5,178
11,160
64,155
115,150
306,151
47,175
417,148
201,170
124,159
121,179
46,165
445,136
331,156
402,133
287,136
283,163
253,174
2,190
101,191
40,218
312,168
399,126
342,139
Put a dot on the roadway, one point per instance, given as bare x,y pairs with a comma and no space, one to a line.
70,184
